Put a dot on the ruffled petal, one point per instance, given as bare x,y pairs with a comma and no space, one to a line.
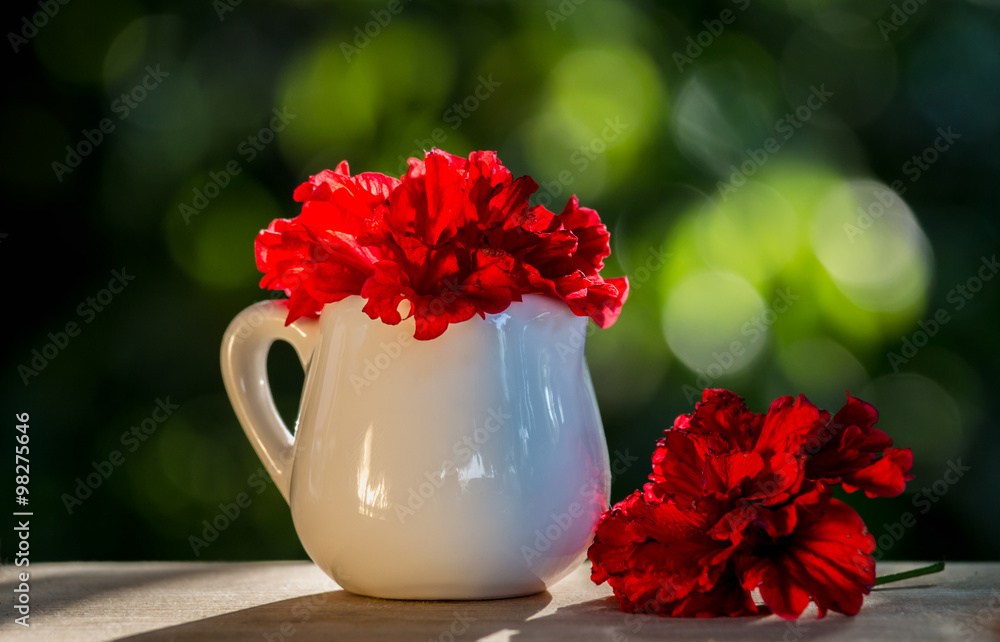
827,559
887,477
454,236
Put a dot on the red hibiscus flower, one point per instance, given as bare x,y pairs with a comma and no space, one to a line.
660,559
453,238
851,451
723,450
820,551
739,501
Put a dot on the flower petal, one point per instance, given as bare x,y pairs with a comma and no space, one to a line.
885,478
826,559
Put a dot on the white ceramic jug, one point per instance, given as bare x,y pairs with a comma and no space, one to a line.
470,466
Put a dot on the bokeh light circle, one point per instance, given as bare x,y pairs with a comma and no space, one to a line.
708,321
870,243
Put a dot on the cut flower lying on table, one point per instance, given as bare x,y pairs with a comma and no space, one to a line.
739,501
453,237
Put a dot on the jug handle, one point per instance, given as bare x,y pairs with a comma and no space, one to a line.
244,372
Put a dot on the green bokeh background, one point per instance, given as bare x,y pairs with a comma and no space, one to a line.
807,276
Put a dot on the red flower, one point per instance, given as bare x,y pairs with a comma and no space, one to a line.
724,451
660,559
849,450
739,501
453,237
821,552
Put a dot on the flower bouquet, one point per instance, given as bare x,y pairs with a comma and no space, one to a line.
454,238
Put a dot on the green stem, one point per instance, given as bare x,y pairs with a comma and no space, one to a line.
895,577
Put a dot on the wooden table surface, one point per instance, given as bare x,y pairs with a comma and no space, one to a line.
281,601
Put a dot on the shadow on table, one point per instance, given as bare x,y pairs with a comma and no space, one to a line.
602,618
337,615
61,589
57,590
905,587
95,579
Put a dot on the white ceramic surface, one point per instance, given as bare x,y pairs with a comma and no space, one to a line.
470,466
